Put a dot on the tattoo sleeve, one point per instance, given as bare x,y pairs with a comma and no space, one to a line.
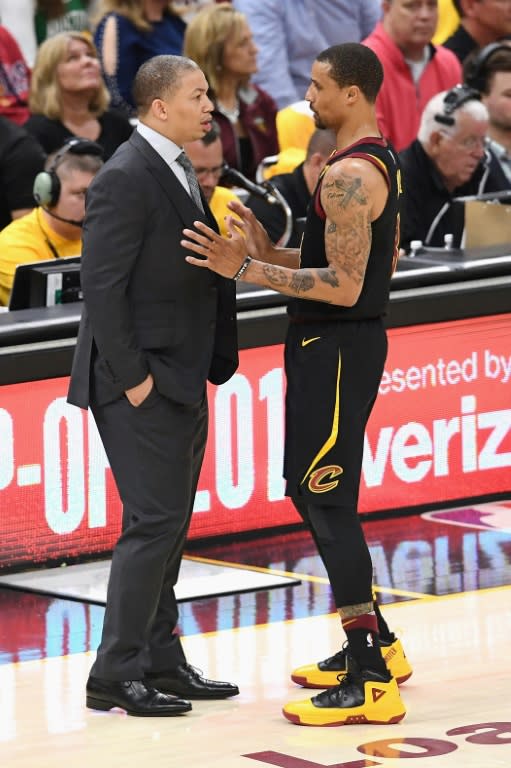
348,228
295,282
275,276
347,234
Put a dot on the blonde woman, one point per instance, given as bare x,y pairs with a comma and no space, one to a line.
128,33
68,96
219,39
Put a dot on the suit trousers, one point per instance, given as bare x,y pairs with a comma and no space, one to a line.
155,452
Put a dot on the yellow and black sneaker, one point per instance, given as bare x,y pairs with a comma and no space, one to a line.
327,673
395,659
363,696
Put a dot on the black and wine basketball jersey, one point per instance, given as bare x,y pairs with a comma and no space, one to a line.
384,246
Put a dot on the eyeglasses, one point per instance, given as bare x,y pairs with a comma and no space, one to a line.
469,143
215,171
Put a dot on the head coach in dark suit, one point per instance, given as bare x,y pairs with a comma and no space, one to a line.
153,330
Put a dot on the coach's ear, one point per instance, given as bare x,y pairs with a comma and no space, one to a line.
159,109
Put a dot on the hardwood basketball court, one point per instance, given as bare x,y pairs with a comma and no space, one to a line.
446,589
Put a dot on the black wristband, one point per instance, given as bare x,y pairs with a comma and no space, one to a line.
242,269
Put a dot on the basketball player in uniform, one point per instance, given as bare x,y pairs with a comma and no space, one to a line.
335,352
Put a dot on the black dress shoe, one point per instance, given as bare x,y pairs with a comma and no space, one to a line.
187,681
135,696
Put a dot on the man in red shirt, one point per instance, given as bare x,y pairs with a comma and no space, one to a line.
414,69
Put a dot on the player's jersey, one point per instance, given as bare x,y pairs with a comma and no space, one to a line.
384,245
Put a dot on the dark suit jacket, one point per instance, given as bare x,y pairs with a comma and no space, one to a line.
145,308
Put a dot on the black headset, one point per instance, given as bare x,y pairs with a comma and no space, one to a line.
475,76
46,189
453,100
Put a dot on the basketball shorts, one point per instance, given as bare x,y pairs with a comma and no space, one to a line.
333,371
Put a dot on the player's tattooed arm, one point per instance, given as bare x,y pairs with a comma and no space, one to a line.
346,195
294,282
346,199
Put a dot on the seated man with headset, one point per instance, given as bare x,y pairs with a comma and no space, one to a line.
450,158
489,72
53,229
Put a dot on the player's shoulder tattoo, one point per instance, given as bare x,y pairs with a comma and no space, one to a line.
344,187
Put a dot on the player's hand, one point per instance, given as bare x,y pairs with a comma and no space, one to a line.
258,241
223,255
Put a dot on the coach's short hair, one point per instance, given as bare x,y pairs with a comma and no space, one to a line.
159,77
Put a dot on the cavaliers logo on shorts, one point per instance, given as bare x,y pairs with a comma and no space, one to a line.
324,478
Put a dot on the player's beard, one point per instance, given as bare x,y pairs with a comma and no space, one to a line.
318,122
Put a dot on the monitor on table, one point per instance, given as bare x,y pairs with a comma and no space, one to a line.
46,283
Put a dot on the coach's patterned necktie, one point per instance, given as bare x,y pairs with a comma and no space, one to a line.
185,163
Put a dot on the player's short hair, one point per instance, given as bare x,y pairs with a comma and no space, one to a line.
354,64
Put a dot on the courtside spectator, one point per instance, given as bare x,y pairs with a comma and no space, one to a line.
489,72
219,39
449,159
21,159
207,158
18,18
68,96
295,125
290,34
187,9
14,79
482,22
31,21
415,69
129,33
53,229
448,20
54,16
296,188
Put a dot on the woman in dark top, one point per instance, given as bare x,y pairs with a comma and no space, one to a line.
219,39
69,98
129,32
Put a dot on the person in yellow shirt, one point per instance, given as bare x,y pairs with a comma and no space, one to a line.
295,126
53,229
207,158
448,20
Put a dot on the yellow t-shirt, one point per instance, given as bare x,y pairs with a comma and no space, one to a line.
448,21
287,161
295,125
26,240
218,204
